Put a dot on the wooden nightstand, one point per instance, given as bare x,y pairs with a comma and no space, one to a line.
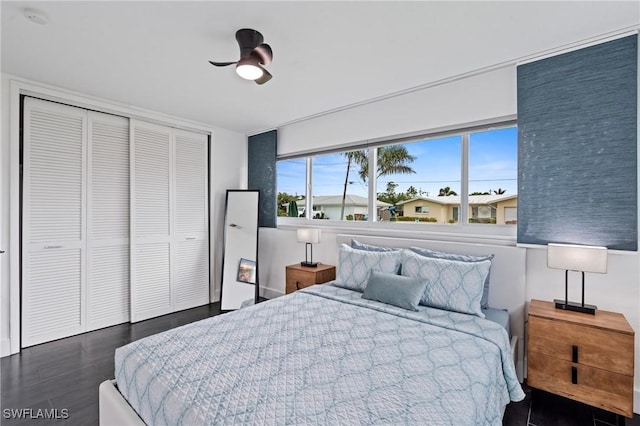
302,276
588,358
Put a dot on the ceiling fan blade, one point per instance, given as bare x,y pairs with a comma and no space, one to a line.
248,40
264,53
222,64
266,76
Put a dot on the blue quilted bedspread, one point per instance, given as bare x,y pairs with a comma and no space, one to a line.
322,356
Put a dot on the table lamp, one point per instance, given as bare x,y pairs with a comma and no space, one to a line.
580,259
309,236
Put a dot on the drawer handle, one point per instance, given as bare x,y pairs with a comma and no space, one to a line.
574,375
297,285
574,353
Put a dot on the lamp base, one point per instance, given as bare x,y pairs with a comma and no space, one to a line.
309,264
576,307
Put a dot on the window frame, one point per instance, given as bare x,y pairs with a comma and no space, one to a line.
462,230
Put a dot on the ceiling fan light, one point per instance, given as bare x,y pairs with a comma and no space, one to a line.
248,69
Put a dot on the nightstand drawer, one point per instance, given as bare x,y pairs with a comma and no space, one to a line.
581,344
605,389
297,280
299,277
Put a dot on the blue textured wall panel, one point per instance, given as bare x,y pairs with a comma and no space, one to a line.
577,147
262,174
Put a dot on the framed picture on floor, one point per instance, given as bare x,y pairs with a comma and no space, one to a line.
247,271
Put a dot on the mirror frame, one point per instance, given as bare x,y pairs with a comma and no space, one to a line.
224,248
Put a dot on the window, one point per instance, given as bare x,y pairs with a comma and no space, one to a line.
482,214
510,215
419,180
493,175
454,214
291,178
340,189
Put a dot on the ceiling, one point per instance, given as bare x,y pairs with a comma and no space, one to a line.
327,55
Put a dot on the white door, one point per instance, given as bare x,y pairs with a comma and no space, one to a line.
169,220
151,218
191,219
53,229
108,221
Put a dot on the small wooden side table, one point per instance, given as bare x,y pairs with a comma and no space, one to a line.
299,276
587,358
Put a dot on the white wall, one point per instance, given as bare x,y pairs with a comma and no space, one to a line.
224,174
4,216
466,100
476,99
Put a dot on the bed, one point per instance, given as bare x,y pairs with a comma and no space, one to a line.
322,355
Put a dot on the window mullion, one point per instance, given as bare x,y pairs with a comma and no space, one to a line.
463,213
373,195
308,202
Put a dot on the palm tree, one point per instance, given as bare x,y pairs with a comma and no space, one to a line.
446,191
499,191
393,159
357,157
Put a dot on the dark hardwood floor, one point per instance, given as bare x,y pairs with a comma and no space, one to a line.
65,375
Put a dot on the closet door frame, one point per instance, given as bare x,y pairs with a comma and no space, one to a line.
20,88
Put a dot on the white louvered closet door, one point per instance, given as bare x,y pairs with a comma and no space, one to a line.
151,193
54,204
108,221
191,220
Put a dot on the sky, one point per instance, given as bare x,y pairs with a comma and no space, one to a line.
492,165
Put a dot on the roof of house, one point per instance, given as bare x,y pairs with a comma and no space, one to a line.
336,200
455,199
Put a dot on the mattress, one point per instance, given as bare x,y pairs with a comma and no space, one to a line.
322,355
499,316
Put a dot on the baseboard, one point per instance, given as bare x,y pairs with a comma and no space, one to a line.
269,293
5,347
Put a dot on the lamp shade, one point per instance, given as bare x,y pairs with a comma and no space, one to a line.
308,235
577,258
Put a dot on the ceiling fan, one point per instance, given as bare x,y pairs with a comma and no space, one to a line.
253,55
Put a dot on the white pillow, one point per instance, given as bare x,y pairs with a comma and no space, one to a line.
453,285
355,265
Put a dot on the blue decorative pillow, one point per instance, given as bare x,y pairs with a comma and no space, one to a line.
354,266
463,258
368,247
404,292
452,284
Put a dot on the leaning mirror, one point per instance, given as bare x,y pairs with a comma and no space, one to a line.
240,256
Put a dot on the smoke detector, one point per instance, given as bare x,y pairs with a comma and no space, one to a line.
36,16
